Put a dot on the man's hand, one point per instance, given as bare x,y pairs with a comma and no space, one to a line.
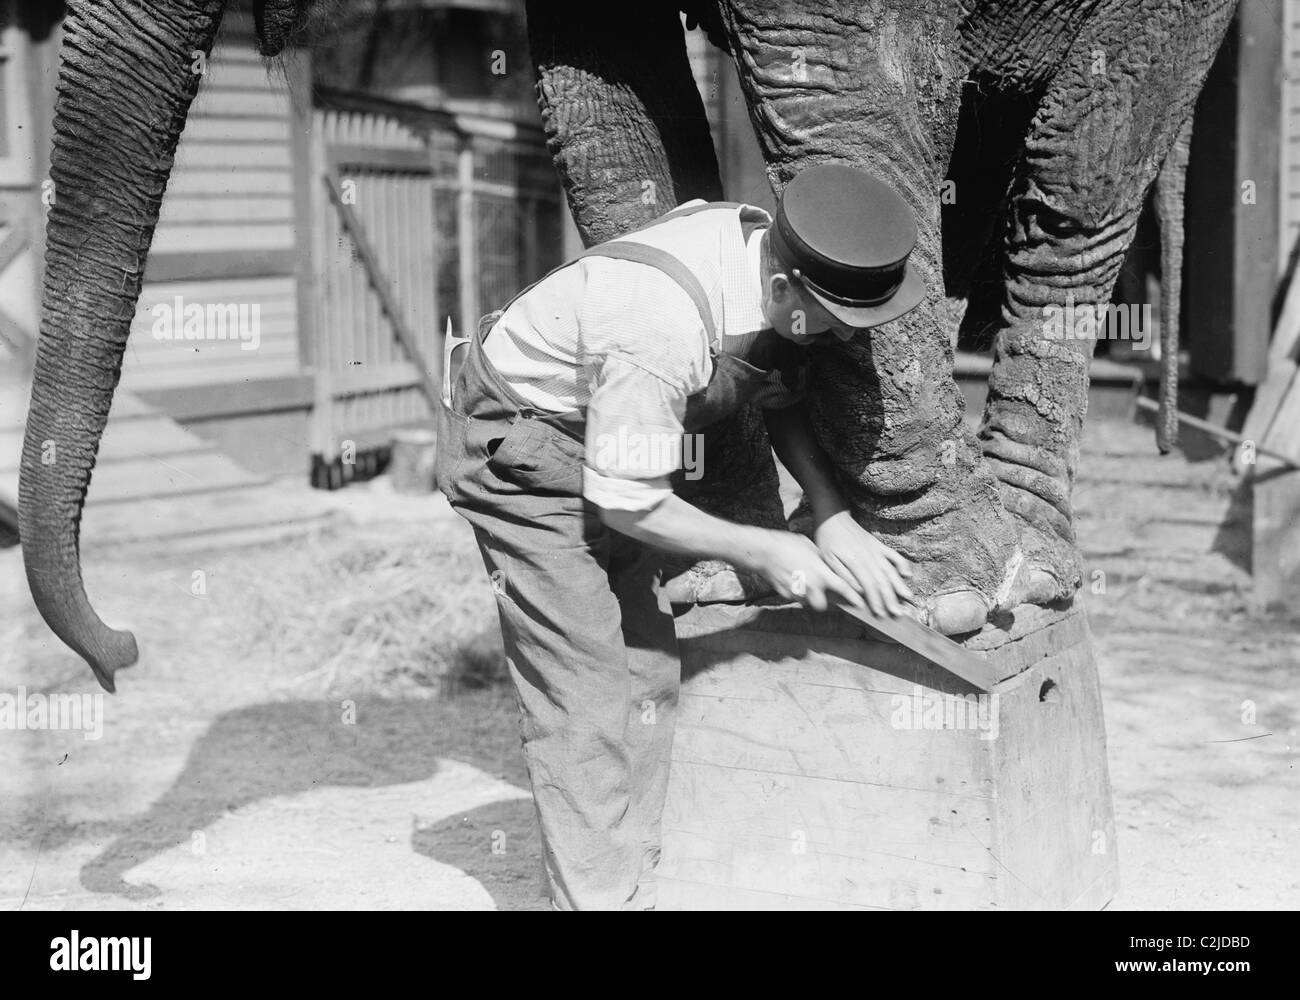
789,562
798,572
865,562
859,558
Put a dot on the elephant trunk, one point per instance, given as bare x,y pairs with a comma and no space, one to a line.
1171,189
129,72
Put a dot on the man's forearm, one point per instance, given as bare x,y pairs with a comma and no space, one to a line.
791,432
676,526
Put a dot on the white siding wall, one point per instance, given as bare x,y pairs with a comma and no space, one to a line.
231,191
160,364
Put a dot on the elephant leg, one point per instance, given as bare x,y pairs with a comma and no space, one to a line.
877,85
1106,122
627,131
624,121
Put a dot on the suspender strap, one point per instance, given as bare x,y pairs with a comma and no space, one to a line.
644,254
662,260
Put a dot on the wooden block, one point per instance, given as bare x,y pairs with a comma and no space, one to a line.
816,766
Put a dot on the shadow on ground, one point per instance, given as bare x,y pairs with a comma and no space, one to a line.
499,845
277,749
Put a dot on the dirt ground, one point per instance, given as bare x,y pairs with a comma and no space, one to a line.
234,772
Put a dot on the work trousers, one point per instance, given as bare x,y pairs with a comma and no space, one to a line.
592,653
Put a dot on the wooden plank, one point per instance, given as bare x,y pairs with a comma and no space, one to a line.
276,304
374,329
267,289
467,241
270,395
1283,437
803,748
930,644
298,73
238,104
21,341
229,183
323,331
1272,421
195,373
274,326
12,243
344,157
805,772
236,49
21,105
1283,354
223,154
223,238
189,265
1258,153
1275,497
342,103
254,209
1213,429
837,842
379,282
275,338
1230,285
240,75
1289,197
215,128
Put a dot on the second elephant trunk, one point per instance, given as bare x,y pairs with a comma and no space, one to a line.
129,72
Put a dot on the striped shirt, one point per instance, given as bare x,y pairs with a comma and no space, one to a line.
624,340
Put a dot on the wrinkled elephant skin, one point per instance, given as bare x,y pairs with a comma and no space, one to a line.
1103,88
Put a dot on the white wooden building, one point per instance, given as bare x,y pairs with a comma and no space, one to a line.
448,212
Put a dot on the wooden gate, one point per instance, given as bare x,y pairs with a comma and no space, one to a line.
423,215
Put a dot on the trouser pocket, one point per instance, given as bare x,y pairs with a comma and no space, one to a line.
449,457
539,458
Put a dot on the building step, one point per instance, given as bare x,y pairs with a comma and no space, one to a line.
146,478
226,517
125,439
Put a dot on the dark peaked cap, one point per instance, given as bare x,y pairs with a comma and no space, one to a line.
846,235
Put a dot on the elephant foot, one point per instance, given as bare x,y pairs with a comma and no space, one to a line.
969,566
957,607
1045,569
1054,569
957,610
1035,485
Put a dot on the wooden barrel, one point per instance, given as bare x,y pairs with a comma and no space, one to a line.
817,765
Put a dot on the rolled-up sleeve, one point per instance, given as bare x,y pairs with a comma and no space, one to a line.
634,436
647,352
